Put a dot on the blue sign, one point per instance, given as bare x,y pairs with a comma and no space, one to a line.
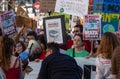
110,11
107,6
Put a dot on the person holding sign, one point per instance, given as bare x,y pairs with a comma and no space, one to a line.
104,54
78,50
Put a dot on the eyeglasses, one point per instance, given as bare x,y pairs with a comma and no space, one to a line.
76,40
75,31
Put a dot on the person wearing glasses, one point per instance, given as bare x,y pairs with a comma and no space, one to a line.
78,29
78,50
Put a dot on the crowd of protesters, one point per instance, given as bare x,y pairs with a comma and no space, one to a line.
16,54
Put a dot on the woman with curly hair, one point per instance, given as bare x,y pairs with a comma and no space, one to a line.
104,54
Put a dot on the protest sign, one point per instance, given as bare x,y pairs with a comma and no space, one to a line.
110,12
8,22
92,27
22,18
88,66
35,72
107,6
47,5
72,7
55,30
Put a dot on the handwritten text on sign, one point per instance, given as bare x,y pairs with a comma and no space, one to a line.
72,7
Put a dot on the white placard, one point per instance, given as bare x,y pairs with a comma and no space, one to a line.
72,7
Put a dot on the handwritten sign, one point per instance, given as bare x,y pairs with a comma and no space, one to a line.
8,22
92,27
47,5
72,7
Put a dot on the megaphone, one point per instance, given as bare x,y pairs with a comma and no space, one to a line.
32,52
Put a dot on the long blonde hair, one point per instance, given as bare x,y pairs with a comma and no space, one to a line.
107,45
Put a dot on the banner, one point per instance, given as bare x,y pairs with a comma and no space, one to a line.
8,22
36,69
88,66
92,27
72,7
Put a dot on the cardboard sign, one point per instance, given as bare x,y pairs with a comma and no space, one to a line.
22,18
21,12
72,7
47,5
92,27
20,21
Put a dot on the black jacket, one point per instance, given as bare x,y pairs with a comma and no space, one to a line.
59,66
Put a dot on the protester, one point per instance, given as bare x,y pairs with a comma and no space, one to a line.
32,35
42,42
78,50
116,63
19,48
2,75
57,65
104,54
10,64
78,29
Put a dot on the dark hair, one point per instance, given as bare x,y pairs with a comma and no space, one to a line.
80,35
42,40
0,32
7,50
32,33
79,26
23,46
54,46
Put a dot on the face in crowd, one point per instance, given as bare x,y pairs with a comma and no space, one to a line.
78,29
20,47
78,41
31,36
